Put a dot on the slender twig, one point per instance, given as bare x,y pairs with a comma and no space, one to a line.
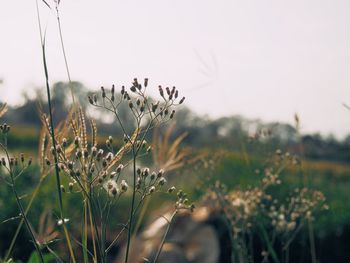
164,236
64,52
132,205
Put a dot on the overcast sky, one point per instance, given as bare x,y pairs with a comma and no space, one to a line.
262,59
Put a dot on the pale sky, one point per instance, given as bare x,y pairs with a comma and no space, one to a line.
262,59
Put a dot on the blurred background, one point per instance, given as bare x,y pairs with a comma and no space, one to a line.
257,75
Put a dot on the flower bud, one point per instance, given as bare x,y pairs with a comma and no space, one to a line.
76,140
160,173
114,191
145,172
103,92
64,142
171,189
133,88
161,92
91,101
119,168
85,153
162,181
151,190
112,175
153,175
124,186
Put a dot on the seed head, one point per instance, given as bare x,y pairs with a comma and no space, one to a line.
154,107
104,162
182,100
78,154
145,172
133,88
160,173
114,191
76,140
161,92
119,168
171,189
109,156
124,186
93,151
64,142
153,175
103,92
162,181
151,190
91,101
85,153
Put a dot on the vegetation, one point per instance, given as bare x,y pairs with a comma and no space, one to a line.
85,189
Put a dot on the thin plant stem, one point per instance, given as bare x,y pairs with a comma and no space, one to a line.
312,242
20,207
92,233
164,236
52,134
85,232
13,241
64,53
132,205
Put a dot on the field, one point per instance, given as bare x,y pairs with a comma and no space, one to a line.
236,170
